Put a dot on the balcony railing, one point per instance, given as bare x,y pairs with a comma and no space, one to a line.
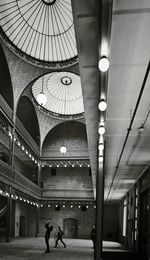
6,108
78,194
19,125
18,181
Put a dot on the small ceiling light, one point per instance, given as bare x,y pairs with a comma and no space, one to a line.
49,206
102,105
71,206
79,206
100,159
101,147
103,64
64,206
65,165
57,166
101,130
141,129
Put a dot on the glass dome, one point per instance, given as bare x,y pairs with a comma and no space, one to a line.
40,30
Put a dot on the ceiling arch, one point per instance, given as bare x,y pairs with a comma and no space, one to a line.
73,134
6,85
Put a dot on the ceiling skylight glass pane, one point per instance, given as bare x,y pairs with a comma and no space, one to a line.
41,29
63,92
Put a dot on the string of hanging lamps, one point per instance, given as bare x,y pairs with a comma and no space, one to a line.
102,106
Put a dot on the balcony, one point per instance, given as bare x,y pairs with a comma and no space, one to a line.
86,194
13,178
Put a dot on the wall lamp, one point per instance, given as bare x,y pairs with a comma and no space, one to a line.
102,105
101,130
101,147
100,159
103,64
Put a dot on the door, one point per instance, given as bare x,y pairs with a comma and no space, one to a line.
144,232
71,227
22,226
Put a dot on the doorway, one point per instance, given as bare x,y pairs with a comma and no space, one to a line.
71,228
22,226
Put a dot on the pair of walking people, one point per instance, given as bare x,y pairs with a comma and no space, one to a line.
47,236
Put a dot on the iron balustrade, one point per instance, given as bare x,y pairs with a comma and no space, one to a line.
68,193
18,181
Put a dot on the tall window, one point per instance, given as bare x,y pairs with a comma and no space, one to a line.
124,217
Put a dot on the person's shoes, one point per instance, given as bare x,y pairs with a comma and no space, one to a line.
65,246
47,251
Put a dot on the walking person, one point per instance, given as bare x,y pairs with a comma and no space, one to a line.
47,236
93,236
59,237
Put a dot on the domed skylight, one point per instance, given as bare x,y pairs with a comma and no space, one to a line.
41,29
63,92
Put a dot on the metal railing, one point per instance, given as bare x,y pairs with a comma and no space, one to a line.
18,181
68,194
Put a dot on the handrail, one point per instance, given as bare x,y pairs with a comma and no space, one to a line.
68,193
20,182
3,211
6,108
20,127
26,135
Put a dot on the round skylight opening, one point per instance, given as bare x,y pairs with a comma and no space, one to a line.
66,80
49,2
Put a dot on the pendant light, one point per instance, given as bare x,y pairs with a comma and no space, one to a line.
103,64
41,97
63,148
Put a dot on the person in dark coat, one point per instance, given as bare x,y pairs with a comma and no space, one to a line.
47,236
93,236
59,237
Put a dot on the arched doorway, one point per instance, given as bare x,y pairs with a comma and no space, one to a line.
71,228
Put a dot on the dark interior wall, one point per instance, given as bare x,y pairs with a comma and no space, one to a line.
29,213
85,219
67,178
111,222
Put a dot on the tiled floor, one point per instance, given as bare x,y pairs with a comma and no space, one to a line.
34,249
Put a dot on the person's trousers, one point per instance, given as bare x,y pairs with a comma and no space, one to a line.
61,242
47,243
